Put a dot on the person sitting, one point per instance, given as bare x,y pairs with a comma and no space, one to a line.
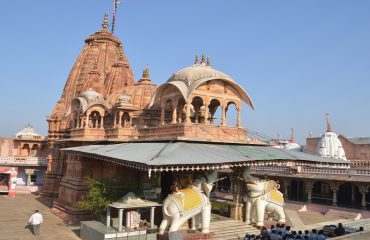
313,234
286,231
339,231
247,237
275,236
270,230
264,233
320,235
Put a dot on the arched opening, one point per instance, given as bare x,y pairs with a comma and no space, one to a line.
125,121
349,195
215,112
95,119
321,193
181,111
231,114
295,190
198,110
34,150
25,150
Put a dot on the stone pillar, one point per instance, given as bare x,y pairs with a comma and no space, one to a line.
120,216
162,115
102,121
86,121
238,118
120,113
130,115
335,189
115,120
363,190
174,114
223,116
309,195
206,113
187,117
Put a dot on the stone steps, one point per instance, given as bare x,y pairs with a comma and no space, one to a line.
231,229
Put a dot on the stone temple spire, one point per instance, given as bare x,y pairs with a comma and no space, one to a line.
145,80
196,59
146,73
203,59
328,124
105,22
292,139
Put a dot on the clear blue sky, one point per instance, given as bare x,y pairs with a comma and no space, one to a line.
296,59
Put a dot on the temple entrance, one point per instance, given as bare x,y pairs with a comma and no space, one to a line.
349,196
295,190
321,193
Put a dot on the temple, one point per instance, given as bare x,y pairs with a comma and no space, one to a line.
23,161
107,124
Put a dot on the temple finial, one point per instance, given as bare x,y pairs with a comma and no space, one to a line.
196,59
328,125
203,59
292,139
105,21
146,72
208,61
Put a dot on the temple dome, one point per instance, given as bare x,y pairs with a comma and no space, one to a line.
27,133
330,145
198,73
86,100
187,80
91,96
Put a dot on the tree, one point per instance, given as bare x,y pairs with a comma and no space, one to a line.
99,196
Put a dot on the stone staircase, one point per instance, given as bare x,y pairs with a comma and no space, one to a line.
231,229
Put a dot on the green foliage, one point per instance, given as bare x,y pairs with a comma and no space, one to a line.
99,196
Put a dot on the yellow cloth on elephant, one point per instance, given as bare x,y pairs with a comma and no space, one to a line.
187,200
276,197
192,199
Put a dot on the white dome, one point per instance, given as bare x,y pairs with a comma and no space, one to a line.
91,96
330,146
27,132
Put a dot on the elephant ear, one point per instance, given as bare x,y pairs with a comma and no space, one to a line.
247,173
211,178
271,184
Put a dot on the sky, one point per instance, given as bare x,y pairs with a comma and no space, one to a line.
297,60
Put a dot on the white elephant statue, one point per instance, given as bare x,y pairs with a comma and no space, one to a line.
189,203
262,195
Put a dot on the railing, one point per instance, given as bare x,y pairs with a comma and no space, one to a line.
304,169
360,164
24,160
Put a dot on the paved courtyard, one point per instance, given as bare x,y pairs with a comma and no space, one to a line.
15,212
14,215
